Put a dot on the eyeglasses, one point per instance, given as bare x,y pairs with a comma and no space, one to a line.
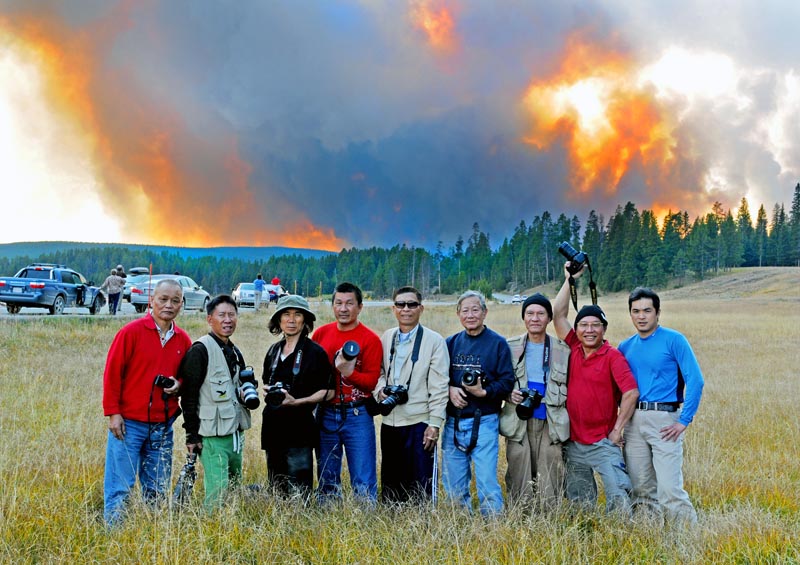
586,325
411,305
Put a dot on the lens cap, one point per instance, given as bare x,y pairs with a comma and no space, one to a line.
350,350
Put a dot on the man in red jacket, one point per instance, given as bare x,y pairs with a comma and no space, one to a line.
140,400
344,421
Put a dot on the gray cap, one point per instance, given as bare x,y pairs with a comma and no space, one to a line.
294,301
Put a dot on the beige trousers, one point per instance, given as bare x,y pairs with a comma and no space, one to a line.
535,475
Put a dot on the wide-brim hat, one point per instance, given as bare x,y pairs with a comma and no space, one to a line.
294,301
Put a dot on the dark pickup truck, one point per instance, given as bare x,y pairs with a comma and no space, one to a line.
46,285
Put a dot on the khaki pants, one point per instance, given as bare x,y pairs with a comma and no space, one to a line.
535,475
655,465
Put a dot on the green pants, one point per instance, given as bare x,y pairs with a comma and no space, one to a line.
222,465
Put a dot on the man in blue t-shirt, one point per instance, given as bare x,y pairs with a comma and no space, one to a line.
260,284
481,376
668,375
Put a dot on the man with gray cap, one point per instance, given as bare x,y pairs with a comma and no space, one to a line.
534,419
297,377
602,397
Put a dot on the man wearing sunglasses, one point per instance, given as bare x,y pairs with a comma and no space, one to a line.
602,397
415,374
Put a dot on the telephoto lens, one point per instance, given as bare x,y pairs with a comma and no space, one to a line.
249,395
350,350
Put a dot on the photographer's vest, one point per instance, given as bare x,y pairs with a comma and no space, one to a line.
219,409
555,396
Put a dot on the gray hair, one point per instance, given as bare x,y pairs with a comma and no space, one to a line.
471,294
167,282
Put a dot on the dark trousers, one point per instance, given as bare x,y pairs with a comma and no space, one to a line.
290,470
406,468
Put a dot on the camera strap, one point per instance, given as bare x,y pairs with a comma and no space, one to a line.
473,438
414,354
573,289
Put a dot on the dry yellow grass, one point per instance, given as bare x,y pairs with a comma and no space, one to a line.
741,466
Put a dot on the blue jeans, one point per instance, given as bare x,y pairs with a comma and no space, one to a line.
145,452
357,438
456,475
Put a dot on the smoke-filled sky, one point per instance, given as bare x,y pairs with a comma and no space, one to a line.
364,122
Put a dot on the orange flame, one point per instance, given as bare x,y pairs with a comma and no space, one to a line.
435,19
606,121
168,183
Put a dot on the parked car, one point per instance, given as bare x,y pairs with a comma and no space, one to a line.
194,297
50,286
129,282
274,292
244,294
516,299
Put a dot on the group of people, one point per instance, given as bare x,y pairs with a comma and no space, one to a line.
569,405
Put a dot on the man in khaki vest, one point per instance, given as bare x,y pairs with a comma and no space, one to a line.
534,419
214,413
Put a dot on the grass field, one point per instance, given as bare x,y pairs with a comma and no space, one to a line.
742,455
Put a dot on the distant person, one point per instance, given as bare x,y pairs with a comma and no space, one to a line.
297,377
121,272
481,376
602,398
259,285
416,359
140,400
667,372
534,437
214,413
114,284
276,281
346,427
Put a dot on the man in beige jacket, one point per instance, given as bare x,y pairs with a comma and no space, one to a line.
412,394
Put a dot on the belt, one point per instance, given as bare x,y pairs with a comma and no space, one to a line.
353,404
660,406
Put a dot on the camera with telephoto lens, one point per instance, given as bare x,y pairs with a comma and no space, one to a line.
164,382
577,259
531,400
395,395
247,390
471,377
350,350
275,394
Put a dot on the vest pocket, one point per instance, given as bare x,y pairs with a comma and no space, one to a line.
221,388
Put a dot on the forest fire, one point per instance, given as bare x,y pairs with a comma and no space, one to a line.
594,105
435,19
164,181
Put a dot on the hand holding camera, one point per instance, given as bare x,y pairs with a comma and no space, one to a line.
531,400
276,394
345,359
473,380
392,395
169,384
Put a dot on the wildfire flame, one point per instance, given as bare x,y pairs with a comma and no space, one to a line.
435,19
165,182
595,104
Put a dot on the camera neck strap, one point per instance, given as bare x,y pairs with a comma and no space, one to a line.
276,357
545,355
573,289
414,353
473,438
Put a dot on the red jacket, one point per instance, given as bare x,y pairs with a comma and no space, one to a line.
360,384
134,359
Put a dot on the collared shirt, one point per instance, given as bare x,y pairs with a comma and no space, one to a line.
167,335
403,346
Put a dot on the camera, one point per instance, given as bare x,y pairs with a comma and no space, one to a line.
350,350
470,377
395,395
577,259
247,390
275,394
164,382
531,400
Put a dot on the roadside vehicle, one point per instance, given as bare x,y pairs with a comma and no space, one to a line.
129,282
244,294
51,286
516,299
274,291
194,297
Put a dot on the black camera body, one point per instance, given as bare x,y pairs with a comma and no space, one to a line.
275,395
350,350
248,390
395,395
531,400
577,259
164,382
471,377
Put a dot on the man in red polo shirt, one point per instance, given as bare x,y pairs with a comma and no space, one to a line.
601,397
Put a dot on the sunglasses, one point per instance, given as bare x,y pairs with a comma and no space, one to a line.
410,305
